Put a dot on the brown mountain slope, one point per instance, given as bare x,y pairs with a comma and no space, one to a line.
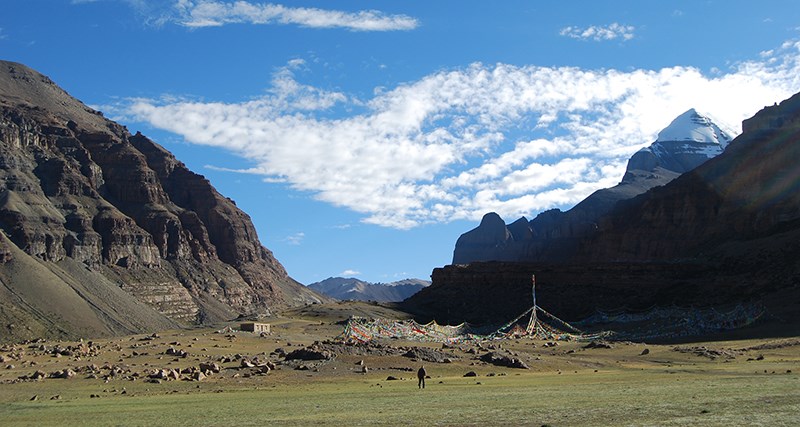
95,207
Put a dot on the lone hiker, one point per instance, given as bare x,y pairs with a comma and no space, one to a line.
421,375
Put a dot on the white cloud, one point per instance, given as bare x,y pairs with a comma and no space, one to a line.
349,273
459,143
209,13
295,239
600,33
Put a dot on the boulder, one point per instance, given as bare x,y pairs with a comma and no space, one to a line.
210,367
309,353
499,358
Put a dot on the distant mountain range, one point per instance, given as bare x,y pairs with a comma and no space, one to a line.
689,141
358,290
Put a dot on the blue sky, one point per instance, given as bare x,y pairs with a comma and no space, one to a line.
364,137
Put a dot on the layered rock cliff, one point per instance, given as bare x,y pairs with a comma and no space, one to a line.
80,193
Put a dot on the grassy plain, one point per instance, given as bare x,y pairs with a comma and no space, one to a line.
716,383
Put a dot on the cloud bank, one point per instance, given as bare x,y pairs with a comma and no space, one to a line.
600,33
210,13
459,143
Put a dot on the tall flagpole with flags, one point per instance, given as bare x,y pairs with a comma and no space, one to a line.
532,323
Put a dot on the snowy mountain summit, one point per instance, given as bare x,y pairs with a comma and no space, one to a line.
692,126
553,236
686,143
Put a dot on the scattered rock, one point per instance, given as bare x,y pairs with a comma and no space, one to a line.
598,344
429,355
470,374
64,374
172,351
708,352
309,353
645,352
500,358
392,378
207,367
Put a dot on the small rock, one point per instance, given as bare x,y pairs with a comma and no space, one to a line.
392,378
210,367
471,374
645,351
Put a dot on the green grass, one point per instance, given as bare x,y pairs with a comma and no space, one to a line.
621,397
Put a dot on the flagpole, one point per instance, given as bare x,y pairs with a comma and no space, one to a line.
532,322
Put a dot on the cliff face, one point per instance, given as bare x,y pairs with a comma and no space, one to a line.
726,232
76,188
554,236
750,192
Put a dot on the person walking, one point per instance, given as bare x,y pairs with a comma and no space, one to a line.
421,374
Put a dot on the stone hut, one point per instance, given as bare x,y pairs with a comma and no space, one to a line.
255,327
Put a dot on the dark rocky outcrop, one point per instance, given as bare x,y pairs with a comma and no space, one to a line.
108,218
724,233
554,236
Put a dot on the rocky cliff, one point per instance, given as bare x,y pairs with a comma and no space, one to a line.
726,232
101,211
554,236
749,193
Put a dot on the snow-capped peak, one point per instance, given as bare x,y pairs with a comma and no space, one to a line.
692,126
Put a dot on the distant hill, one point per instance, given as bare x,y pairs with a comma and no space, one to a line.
105,232
689,141
358,290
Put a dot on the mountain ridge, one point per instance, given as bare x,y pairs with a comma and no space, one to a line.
724,234
552,236
358,290
89,202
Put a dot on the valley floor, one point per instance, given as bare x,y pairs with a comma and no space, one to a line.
744,382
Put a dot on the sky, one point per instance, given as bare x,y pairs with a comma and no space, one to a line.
363,137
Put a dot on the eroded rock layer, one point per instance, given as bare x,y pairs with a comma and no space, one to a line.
76,188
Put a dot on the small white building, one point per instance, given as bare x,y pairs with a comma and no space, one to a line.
256,327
